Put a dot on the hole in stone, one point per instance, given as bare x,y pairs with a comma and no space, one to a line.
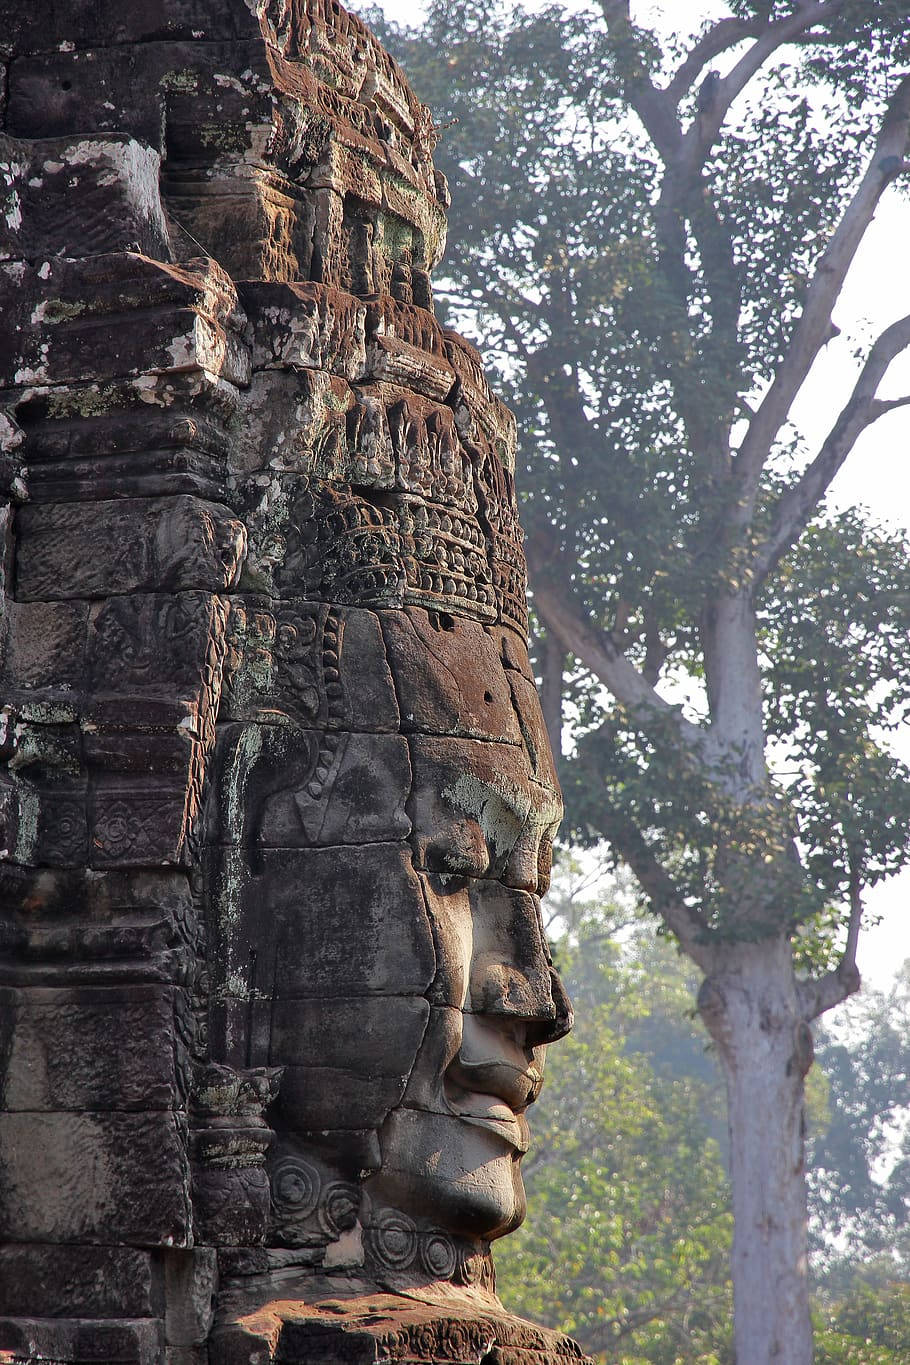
488,697
66,85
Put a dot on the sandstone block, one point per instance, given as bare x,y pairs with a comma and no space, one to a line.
95,1177
91,1049
80,550
77,1281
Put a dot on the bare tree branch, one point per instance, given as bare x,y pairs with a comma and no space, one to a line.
797,505
658,885
652,105
597,650
681,199
814,326
881,406
700,136
829,990
724,34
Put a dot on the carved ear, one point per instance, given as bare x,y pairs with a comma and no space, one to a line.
279,786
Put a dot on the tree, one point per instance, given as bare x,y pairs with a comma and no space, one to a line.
871,1326
859,1156
649,239
629,1195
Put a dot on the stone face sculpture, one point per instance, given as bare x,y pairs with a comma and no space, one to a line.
276,797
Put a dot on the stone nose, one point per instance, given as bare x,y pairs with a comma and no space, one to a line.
512,980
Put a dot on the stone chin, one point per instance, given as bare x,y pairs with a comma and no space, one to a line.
460,1174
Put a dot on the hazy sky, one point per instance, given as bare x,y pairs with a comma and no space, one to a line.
877,473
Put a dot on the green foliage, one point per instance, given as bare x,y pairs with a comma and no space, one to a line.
838,670
859,1151
871,1326
627,1189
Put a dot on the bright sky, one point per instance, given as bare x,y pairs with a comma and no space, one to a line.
877,473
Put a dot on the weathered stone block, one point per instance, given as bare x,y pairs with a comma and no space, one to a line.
533,730
470,805
166,644
359,1327
78,1281
81,197
317,789
405,346
306,326
191,1279
364,1036
480,415
139,823
43,819
141,545
91,1049
322,668
81,1341
230,1204
180,319
91,23
342,922
314,1097
448,676
45,645
72,917
94,1177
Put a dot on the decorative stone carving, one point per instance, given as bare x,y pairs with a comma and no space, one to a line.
276,802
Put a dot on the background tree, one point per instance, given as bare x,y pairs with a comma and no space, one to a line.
629,1196
859,1153
627,1175
649,240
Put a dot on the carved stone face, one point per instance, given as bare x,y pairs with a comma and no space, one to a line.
389,953
275,790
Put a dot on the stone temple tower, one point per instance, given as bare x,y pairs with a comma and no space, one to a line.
276,799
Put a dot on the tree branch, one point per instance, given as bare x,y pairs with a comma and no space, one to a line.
597,650
658,886
652,105
814,326
726,33
829,990
881,406
796,506
700,136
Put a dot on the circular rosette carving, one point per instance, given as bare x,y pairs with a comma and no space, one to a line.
438,1256
338,1208
393,1240
295,1188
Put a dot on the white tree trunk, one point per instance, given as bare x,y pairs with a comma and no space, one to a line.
750,1008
